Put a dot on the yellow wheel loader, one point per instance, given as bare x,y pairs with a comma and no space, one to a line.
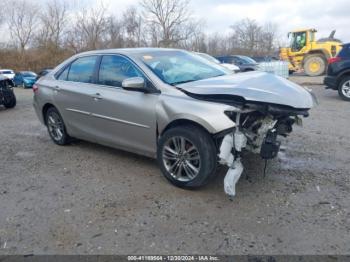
305,53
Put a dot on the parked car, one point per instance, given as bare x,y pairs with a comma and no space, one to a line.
210,58
7,96
338,73
170,105
260,59
43,73
244,63
25,79
7,73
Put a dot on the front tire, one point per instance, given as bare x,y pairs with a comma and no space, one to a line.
344,89
314,65
9,99
56,127
187,156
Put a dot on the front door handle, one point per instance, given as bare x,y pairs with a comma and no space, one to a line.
56,88
96,96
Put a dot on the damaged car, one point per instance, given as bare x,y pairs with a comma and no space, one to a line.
189,113
7,96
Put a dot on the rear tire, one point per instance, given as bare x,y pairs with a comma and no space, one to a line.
196,158
315,65
56,127
344,88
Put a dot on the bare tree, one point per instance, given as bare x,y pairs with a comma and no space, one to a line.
114,33
90,29
22,22
2,14
196,40
53,22
251,38
133,22
171,19
268,37
247,33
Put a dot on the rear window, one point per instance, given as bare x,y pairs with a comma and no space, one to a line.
345,51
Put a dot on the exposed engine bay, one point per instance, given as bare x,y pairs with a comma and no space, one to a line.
258,126
255,133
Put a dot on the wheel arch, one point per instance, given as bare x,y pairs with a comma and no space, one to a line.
341,76
181,122
44,110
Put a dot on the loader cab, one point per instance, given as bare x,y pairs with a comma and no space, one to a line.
300,39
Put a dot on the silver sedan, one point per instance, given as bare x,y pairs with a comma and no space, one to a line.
171,105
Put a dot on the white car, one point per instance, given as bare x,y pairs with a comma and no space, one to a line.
230,67
10,74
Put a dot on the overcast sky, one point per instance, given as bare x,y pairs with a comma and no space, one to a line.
287,14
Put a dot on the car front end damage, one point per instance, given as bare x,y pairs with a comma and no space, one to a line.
259,120
257,131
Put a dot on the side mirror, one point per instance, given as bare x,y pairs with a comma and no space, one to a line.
135,84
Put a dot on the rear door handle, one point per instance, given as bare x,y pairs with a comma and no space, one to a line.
96,96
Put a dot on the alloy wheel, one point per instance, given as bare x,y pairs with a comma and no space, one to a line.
55,126
181,158
345,89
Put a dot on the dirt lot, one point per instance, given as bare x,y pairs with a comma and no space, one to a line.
85,198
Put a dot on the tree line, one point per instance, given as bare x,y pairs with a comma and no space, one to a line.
41,37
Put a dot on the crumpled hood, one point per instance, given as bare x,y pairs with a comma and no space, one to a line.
254,86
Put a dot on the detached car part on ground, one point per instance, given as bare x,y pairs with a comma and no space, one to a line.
188,112
7,96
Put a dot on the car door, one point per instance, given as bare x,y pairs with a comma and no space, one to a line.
74,94
125,119
18,79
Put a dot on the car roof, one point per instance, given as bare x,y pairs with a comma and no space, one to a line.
6,70
26,71
232,56
128,51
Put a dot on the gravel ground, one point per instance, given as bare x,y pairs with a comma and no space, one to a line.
89,199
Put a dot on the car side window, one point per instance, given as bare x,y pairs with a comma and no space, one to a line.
82,70
229,60
64,74
114,69
236,61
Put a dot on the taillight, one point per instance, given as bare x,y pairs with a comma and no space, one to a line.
334,60
35,88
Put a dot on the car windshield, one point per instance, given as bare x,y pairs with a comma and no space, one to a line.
28,74
177,67
247,59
